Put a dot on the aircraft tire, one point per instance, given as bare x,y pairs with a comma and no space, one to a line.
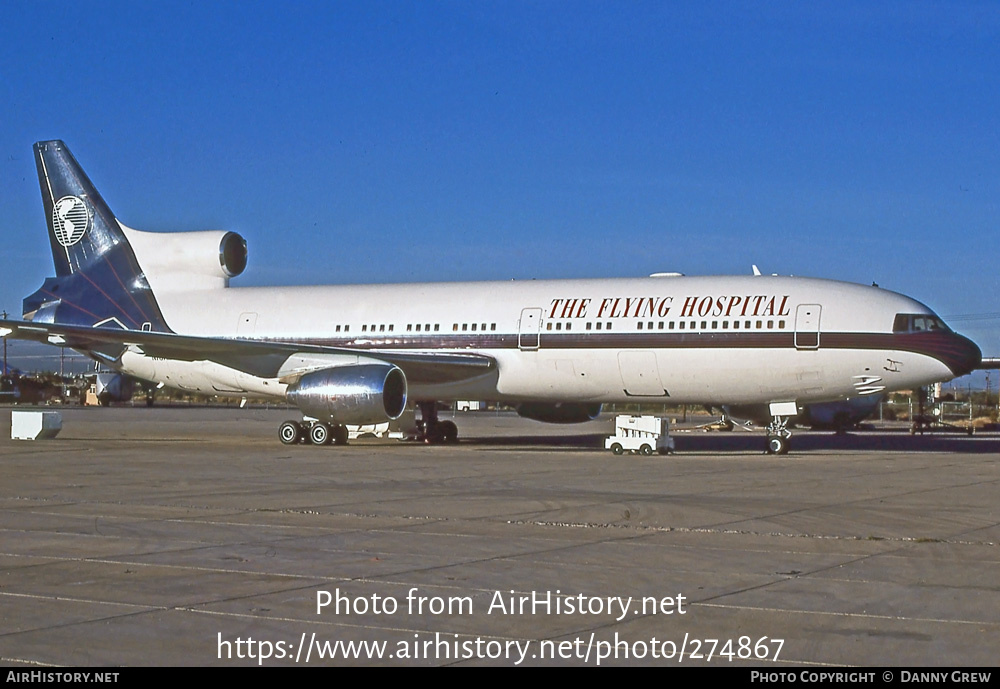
340,435
777,445
448,432
320,433
290,432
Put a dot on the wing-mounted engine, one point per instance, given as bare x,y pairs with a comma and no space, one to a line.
185,261
559,412
359,394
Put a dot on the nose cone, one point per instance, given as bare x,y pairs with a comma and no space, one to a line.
960,354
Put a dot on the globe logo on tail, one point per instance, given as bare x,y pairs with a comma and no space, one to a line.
70,220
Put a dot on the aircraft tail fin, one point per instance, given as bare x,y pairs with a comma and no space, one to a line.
98,280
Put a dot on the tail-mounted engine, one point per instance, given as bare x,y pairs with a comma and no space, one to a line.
185,261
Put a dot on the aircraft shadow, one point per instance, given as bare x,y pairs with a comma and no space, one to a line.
754,442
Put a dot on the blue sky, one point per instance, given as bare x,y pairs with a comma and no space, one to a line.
410,141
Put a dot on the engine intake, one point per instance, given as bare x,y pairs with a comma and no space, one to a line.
362,394
560,412
233,254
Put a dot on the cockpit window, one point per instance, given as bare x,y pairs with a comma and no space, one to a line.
917,323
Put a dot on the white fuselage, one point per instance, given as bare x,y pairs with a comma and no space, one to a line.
709,340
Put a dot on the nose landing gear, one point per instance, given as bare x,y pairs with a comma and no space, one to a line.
778,435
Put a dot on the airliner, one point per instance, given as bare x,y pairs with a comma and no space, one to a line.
158,306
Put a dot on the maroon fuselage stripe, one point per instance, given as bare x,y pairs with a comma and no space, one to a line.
955,351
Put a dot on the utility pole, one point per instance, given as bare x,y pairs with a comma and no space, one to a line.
4,348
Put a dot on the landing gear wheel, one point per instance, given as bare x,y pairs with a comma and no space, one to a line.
448,431
320,433
340,435
290,432
430,430
617,449
778,436
777,445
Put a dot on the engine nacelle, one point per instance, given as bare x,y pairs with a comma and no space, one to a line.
113,387
184,261
361,394
560,412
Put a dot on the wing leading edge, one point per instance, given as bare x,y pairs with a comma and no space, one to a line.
286,361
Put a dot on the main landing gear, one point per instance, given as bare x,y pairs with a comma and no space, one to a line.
778,436
312,431
430,429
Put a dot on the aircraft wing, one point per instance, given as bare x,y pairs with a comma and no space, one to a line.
287,360
989,363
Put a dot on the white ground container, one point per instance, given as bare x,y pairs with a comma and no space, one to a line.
35,425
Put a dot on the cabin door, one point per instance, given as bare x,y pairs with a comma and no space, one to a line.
807,326
528,328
